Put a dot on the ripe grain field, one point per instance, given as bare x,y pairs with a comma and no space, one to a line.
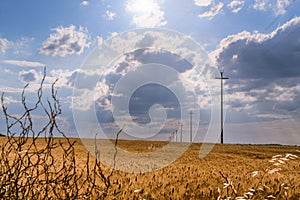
229,170
226,167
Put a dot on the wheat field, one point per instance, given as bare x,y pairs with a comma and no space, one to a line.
229,171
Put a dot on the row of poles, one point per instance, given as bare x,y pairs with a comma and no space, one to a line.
191,115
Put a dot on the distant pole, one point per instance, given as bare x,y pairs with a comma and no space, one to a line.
181,125
176,132
222,78
191,125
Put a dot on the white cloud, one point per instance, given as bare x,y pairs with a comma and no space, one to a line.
8,89
9,99
113,34
29,76
110,15
263,69
202,2
23,63
281,93
213,11
260,5
282,6
22,46
147,13
84,3
65,78
66,41
279,7
4,45
83,101
236,5
253,42
99,41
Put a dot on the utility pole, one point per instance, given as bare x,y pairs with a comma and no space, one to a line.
222,78
191,125
181,125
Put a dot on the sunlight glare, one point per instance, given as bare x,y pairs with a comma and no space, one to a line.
141,6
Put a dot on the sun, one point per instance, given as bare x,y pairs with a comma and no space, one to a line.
141,6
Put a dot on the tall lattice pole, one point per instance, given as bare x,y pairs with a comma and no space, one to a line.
222,78
191,126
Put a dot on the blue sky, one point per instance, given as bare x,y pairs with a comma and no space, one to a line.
256,42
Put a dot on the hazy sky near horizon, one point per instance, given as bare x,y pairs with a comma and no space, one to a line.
256,42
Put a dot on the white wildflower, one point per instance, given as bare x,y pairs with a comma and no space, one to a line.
281,162
254,173
272,171
292,156
271,197
277,156
249,193
261,189
284,159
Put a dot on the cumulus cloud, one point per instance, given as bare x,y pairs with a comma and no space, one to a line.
82,101
23,63
143,98
214,10
136,51
146,41
279,7
275,54
66,41
65,77
236,5
29,76
146,13
264,70
4,45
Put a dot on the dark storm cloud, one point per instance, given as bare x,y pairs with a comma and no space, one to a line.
146,56
259,55
148,95
166,58
264,71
